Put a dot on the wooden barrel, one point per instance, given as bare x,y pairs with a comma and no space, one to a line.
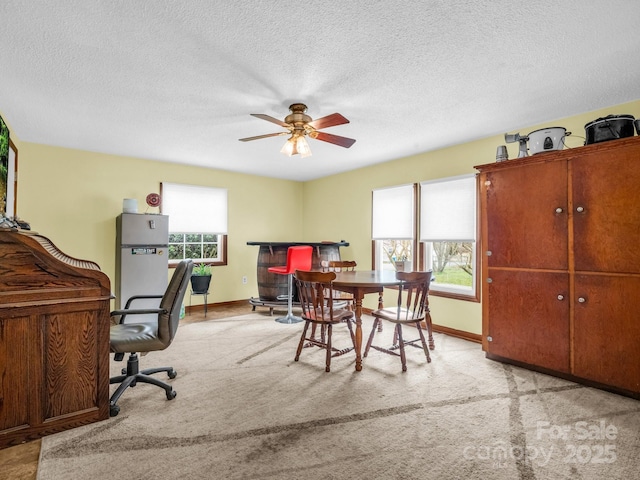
271,285
328,253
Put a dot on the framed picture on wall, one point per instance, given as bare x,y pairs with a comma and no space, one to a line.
8,168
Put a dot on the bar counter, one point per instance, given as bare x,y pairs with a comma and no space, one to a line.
272,254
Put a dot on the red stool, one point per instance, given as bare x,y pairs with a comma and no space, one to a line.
298,258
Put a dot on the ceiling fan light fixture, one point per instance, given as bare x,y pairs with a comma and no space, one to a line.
289,147
301,125
302,146
296,144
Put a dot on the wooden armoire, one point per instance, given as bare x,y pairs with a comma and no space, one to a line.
560,236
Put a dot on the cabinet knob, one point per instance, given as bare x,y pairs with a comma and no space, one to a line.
489,253
489,280
580,209
581,299
559,210
489,339
560,297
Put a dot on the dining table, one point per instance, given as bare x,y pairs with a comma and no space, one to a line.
360,283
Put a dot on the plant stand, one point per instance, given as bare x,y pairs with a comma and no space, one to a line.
204,294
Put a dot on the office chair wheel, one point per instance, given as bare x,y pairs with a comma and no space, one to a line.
171,395
114,410
172,373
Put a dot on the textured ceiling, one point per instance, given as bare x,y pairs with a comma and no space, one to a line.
176,81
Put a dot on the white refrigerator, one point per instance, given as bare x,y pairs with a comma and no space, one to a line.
141,260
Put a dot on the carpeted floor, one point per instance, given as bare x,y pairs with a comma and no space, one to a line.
246,410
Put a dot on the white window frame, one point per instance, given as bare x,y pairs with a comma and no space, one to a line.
450,290
197,210
393,212
435,227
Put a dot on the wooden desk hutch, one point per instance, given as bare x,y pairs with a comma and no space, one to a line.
54,339
561,263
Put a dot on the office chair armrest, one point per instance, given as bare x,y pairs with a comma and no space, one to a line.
137,297
141,311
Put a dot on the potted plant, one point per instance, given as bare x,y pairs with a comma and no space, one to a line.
201,278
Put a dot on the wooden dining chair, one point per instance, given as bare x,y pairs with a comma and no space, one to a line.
315,293
342,299
340,266
412,308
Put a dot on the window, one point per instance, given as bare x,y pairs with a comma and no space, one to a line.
448,235
201,247
393,227
197,223
447,220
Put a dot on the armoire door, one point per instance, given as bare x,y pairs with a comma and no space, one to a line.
529,314
527,223
606,210
607,330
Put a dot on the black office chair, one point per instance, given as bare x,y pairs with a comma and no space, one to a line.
148,336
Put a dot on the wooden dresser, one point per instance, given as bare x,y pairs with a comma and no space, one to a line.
54,339
561,263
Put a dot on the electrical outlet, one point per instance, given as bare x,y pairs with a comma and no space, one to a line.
244,280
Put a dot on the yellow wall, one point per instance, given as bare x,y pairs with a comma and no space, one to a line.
73,197
345,200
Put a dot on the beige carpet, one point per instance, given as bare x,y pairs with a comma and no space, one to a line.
246,410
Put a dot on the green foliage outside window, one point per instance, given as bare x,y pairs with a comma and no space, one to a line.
452,263
196,246
4,165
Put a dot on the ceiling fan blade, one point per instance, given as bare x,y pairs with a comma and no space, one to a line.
271,119
335,139
328,121
258,137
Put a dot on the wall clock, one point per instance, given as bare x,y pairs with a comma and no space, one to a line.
153,200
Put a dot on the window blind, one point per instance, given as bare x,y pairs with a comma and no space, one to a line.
195,209
393,213
448,210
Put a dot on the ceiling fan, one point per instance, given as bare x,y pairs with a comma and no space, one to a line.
299,125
